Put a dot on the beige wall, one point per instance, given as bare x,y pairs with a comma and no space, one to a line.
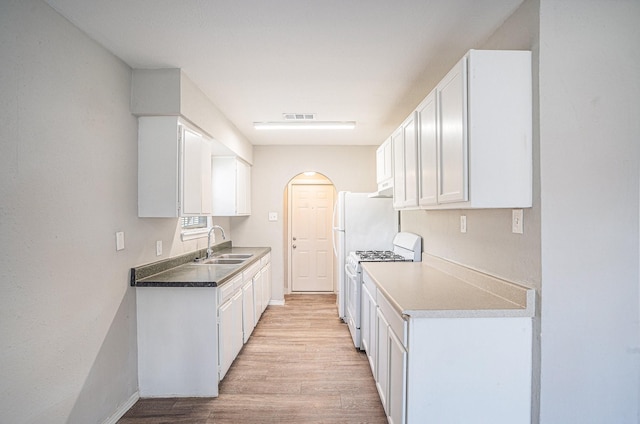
68,182
488,245
350,168
589,172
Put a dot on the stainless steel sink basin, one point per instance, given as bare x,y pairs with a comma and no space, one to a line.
235,256
220,261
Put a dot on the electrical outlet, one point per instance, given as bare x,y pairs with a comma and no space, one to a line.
273,216
463,223
120,240
158,247
517,221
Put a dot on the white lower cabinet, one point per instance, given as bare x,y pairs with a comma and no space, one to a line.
448,370
257,295
368,326
262,286
243,300
382,360
397,358
188,337
266,284
248,311
225,337
230,337
391,360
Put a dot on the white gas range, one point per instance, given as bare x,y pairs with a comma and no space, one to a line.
407,247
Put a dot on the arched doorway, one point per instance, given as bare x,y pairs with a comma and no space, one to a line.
308,241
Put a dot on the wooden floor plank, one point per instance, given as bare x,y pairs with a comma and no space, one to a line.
299,366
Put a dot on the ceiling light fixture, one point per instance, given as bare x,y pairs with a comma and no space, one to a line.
308,125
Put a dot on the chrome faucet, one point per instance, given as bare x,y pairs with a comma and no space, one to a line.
213,227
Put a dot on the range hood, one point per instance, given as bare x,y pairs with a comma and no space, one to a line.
382,192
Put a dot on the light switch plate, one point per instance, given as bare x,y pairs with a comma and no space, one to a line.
273,216
517,224
158,247
463,223
120,240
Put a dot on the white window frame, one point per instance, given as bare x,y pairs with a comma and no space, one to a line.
195,233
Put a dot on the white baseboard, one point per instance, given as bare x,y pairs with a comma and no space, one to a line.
276,302
113,419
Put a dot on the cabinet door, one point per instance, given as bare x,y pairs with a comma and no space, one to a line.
428,151
410,140
266,286
365,323
248,311
258,295
382,360
196,174
397,380
453,146
368,327
237,323
397,144
243,190
384,169
225,337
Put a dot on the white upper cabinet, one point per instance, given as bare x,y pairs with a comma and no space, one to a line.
405,164
231,186
451,96
428,151
397,145
384,167
174,168
410,140
484,133
474,137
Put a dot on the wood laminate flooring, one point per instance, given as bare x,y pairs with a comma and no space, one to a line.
299,366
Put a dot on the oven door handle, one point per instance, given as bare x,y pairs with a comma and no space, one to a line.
350,272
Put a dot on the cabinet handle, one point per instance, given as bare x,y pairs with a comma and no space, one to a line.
294,246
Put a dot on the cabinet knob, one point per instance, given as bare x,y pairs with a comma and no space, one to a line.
294,239
294,246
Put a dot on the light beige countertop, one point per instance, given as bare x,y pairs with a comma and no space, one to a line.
438,288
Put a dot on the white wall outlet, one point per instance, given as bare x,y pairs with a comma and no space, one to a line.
517,222
158,247
273,216
119,240
463,223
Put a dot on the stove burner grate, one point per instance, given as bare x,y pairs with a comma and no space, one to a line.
380,256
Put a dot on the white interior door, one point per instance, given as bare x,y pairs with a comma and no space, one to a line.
311,243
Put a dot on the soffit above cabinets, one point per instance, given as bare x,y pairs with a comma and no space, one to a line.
369,62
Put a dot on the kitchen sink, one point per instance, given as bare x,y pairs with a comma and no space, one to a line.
235,256
220,261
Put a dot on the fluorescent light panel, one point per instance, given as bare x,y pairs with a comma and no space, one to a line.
307,125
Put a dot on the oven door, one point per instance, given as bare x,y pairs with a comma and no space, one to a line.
352,292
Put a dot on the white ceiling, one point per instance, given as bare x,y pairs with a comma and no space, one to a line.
369,61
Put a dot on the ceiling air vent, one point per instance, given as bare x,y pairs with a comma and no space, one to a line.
299,116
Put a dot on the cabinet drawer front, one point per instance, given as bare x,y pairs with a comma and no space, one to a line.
369,284
228,288
251,271
397,324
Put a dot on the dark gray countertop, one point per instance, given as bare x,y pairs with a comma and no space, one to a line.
183,272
